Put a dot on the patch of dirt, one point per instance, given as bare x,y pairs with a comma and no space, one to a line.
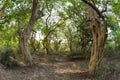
49,68
115,58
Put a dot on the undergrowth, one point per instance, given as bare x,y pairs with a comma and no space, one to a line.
107,70
7,54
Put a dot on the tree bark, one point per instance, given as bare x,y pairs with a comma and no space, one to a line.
46,44
25,35
99,38
99,32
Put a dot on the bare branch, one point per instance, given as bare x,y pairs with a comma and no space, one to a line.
19,25
105,8
94,7
39,13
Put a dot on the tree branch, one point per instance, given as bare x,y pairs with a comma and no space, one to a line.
33,16
94,7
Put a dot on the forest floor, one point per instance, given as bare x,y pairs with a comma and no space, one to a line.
51,68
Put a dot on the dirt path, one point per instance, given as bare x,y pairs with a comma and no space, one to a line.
48,69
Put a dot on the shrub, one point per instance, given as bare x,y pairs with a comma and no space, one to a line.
76,55
105,69
110,52
6,56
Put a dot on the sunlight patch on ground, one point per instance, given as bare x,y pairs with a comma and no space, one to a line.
46,64
51,64
69,71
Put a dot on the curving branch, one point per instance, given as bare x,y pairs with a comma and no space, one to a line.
94,7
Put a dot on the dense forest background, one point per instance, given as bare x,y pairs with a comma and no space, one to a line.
62,30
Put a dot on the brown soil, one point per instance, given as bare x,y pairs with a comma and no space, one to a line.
49,68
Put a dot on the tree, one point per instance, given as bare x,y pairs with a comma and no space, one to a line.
98,26
25,35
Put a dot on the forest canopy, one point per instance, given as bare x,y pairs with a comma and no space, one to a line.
88,29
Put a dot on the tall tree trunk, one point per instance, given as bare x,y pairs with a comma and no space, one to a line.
25,35
98,25
24,47
99,38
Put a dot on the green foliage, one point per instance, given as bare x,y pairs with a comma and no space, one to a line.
116,6
5,57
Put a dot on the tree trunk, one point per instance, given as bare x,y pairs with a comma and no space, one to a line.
46,44
48,47
24,48
99,38
70,46
25,35
98,25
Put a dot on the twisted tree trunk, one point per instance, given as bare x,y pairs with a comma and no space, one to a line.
24,46
99,38
98,25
